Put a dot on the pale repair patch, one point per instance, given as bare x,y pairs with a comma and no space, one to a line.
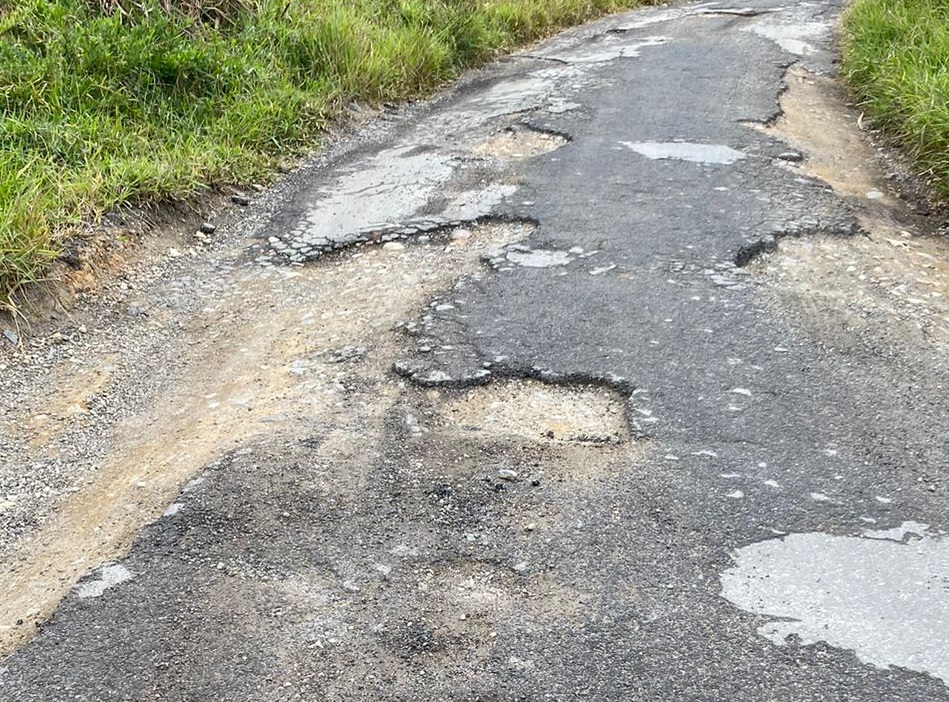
605,53
882,594
539,258
173,509
796,37
686,151
109,576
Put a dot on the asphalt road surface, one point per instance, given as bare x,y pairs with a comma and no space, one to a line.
614,373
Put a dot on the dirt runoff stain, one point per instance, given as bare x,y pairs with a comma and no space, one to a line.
881,594
276,369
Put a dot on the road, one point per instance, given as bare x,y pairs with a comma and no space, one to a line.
616,372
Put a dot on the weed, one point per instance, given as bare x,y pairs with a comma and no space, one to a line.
896,58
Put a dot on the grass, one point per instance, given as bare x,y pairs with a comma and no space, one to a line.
108,102
896,58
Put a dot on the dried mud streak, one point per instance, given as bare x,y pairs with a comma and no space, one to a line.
71,398
359,298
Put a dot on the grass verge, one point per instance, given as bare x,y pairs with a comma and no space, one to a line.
896,59
107,102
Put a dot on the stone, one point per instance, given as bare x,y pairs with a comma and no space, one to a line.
507,474
207,228
393,246
791,156
240,200
346,354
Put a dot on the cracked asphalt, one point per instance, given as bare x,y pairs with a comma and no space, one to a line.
523,406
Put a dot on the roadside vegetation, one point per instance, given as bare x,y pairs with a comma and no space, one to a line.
107,102
896,59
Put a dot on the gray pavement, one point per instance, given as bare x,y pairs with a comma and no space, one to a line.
765,522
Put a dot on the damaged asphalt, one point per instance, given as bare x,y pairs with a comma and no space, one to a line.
580,469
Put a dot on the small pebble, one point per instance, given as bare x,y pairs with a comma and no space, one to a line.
393,246
240,200
507,474
791,156
207,228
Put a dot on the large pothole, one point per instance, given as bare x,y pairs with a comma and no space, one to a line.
815,119
537,411
520,142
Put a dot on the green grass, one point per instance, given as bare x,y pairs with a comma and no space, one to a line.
896,58
107,102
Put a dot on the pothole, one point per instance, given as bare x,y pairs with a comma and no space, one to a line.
881,594
523,256
517,143
532,410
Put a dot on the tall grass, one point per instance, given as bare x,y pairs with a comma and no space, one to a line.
105,102
896,58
